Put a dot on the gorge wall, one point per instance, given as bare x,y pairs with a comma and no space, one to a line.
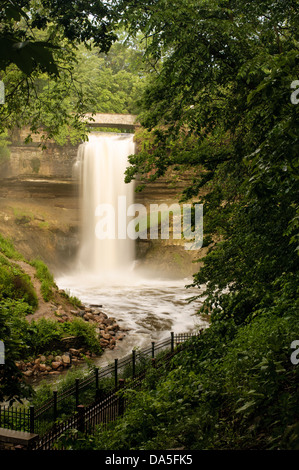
39,209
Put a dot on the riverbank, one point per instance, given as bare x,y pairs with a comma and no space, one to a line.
70,350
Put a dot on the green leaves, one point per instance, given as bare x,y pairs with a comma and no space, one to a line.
245,408
37,42
12,11
28,55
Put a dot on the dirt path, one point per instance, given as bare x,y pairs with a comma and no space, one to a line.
44,308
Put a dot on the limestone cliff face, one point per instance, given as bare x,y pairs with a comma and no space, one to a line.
40,209
41,217
31,160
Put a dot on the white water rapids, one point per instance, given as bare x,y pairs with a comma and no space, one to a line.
149,307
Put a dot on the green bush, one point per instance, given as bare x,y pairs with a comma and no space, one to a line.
7,248
72,299
43,333
41,336
45,277
15,284
83,330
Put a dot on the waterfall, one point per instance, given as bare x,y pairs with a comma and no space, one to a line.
101,164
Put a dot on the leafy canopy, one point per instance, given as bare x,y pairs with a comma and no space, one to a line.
38,40
220,105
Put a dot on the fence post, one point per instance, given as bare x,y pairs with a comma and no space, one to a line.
97,377
133,363
55,404
81,418
153,349
77,393
121,400
115,372
97,392
31,419
172,341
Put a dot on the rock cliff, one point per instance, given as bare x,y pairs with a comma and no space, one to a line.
40,209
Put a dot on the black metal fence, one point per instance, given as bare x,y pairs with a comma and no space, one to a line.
97,393
104,410
19,419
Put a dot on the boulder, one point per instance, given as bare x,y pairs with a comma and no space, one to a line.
28,373
56,365
74,352
96,311
66,359
106,336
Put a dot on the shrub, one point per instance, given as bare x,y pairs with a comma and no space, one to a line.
7,248
15,284
83,330
45,277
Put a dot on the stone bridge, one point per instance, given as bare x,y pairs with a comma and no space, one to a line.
119,121
55,161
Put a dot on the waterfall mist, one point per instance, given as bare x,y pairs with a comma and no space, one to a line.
103,274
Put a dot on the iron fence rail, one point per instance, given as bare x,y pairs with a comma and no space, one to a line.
105,405
15,418
101,412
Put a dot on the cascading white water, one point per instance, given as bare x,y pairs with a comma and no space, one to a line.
101,164
148,307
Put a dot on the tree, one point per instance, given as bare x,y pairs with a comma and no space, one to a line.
112,82
221,105
38,40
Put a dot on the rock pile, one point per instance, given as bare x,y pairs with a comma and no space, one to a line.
109,333
45,365
107,328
